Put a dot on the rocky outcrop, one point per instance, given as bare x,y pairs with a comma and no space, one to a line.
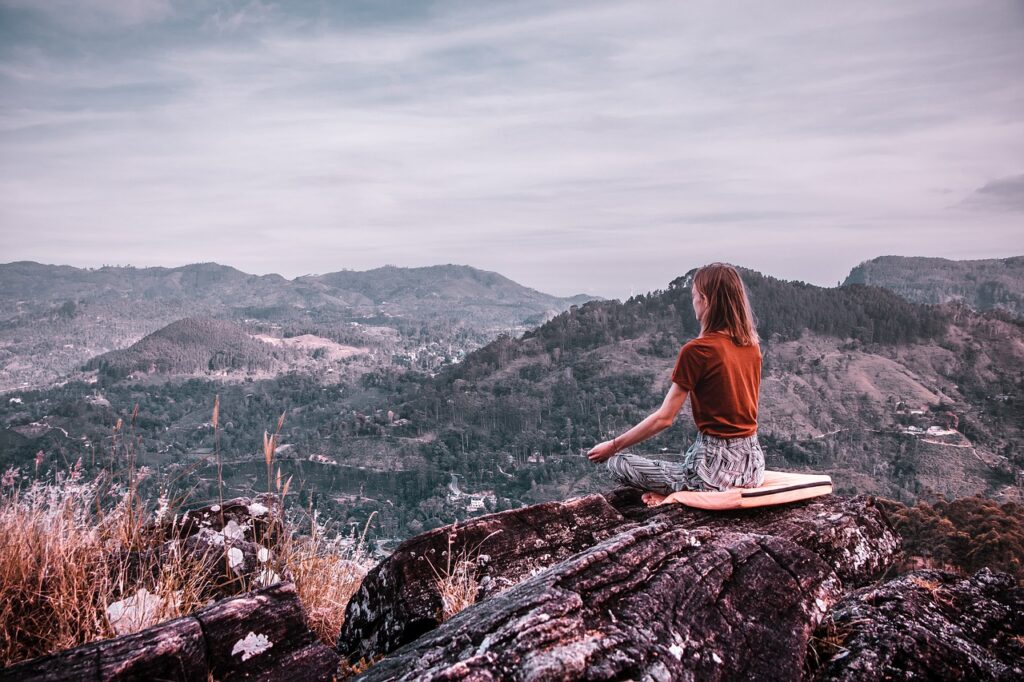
926,625
258,636
661,593
253,519
232,545
602,587
671,593
399,600
654,602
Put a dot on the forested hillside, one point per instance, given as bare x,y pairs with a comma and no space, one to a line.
965,535
849,373
995,284
192,345
894,398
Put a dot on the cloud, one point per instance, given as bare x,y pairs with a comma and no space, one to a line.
93,15
584,146
1005,194
231,18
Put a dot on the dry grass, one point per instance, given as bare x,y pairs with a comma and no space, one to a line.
925,584
456,581
934,588
62,564
63,567
327,571
76,563
826,643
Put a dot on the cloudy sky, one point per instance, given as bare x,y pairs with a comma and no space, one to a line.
595,146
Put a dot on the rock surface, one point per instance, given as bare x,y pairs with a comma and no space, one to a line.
602,587
662,593
927,625
253,517
852,534
258,636
231,544
399,599
654,602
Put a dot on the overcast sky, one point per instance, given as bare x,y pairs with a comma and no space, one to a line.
598,147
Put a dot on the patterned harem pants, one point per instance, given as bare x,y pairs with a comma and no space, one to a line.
711,463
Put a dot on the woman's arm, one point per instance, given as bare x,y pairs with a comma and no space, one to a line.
657,421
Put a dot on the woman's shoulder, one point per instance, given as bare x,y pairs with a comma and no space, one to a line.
709,340
698,344
718,343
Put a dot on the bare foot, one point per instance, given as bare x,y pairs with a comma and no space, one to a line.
652,499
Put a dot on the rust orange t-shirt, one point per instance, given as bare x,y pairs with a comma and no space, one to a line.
723,381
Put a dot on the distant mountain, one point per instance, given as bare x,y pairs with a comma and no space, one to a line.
410,292
890,397
70,315
190,346
444,291
208,284
994,284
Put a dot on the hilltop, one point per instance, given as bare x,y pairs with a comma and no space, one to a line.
190,346
994,284
441,290
565,590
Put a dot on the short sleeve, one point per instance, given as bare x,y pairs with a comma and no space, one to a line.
690,366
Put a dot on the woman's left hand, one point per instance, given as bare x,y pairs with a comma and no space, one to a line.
602,451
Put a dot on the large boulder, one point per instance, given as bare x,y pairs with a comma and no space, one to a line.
655,602
926,625
825,545
852,534
400,599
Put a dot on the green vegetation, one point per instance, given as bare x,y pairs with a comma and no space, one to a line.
964,535
508,425
189,346
995,284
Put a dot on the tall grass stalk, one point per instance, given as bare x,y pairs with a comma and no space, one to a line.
269,448
215,421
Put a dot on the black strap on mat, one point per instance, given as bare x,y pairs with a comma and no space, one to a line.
798,486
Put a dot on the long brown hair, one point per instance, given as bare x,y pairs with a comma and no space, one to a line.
728,309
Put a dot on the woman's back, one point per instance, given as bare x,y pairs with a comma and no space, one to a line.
723,380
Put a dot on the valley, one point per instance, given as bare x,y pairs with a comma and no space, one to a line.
420,422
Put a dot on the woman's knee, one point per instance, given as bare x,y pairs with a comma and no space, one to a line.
614,465
622,468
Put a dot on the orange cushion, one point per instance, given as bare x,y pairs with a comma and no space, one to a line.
779,487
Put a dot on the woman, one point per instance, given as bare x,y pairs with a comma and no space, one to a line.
720,371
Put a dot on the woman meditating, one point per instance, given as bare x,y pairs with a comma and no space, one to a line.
720,371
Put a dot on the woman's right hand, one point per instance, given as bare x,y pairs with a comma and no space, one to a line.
602,451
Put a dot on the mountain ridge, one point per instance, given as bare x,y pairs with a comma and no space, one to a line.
73,314
211,271
984,284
